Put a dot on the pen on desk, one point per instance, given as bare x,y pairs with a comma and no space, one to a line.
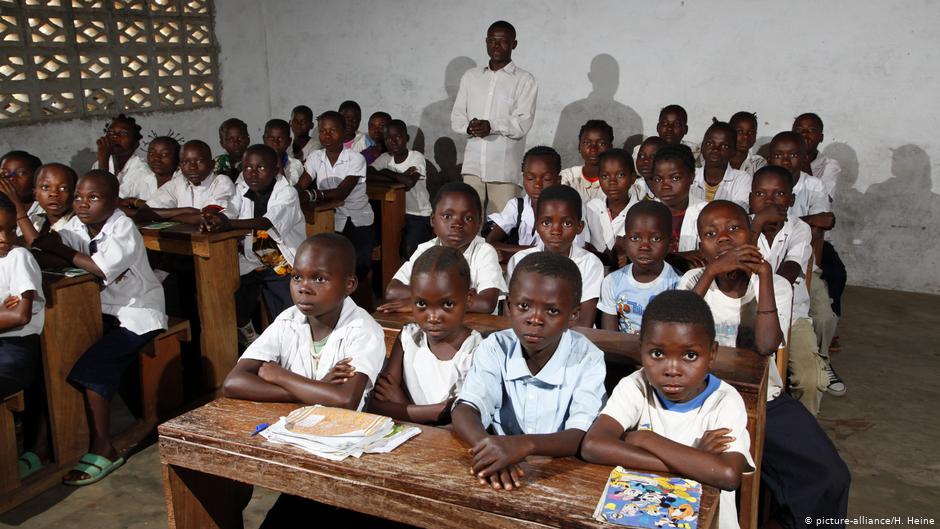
259,428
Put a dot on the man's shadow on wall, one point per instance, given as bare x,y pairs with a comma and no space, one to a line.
604,76
434,131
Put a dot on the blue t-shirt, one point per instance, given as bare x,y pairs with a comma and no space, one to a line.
625,297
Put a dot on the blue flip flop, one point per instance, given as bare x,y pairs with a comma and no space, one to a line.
28,464
97,467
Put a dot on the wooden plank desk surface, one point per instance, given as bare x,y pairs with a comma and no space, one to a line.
208,457
320,216
391,198
216,263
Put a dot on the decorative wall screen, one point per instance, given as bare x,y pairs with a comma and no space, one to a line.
62,59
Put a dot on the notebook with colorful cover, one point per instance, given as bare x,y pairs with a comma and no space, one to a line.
637,499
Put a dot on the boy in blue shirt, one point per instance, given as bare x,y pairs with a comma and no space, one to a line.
626,292
536,388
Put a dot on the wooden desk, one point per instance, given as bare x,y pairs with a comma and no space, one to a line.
217,279
391,198
209,462
72,325
320,217
744,369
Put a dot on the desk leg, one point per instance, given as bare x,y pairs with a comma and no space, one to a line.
73,324
216,283
393,226
202,501
323,222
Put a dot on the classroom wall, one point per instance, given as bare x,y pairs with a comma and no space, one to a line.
244,92
866,67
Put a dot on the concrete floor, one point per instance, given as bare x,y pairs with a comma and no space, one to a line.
883,428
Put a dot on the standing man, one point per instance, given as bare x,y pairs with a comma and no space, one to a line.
495,108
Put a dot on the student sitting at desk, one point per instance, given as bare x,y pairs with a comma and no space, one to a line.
102,240
536,388
184,197
21,319
55,185
672,415
17,170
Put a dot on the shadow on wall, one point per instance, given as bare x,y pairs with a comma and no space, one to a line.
599,104
84,159
879,231
434,131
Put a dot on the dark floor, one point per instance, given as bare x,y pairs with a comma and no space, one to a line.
883,428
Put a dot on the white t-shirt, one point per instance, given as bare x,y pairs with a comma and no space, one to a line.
603,230
752,163
735,317
417,201
312,144
636,405
428,379
588,190
735,186
36,216
506,220
327,176
19,273
287,222
792,243
289,342
131,292
293,170
135,168
485,272
811,196
625,297
828,170
136,178
215,190
688,232
591,268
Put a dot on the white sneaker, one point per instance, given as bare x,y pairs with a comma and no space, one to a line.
836,386
247,335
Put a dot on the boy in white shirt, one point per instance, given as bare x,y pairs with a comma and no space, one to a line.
409,168
338,173
677,417
558,218
594,138
291,360
267,204
185,196
17,172
102,240
745,129
456,220
672,127
277,136
752,306
673,170
604,216
301,123
353,138
716,179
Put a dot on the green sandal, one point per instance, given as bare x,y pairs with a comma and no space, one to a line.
29,464
97,467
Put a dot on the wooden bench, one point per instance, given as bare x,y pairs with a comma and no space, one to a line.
9,470
745,370
210,463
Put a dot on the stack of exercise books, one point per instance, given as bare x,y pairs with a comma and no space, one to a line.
337,433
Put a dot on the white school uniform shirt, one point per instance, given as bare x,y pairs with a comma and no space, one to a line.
735,186
828,170
637,405
591,268
694,147
505,98
289,342
794,242
417,201
506,220
735,317
287,222
811,196
131,293
430,380
140,184
41,220
752,163
135,168
293,170
327,176
215,190
485,272
603,230
572,177
688,232
19,273
36,216
312,144
360,142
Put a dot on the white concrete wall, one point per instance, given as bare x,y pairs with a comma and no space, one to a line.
242,61
869,68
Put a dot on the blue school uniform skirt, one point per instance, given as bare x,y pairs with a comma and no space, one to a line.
19,363
101,367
